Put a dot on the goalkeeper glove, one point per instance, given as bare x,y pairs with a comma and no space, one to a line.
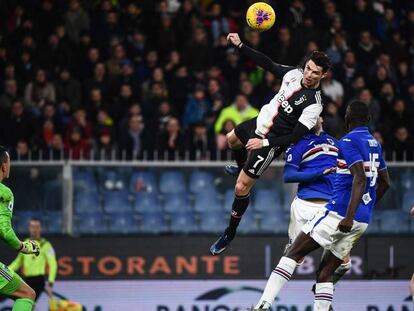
30,247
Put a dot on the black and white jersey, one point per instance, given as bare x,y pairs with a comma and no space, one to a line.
292,104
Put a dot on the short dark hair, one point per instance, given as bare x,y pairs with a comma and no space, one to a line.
3,155
36,219
320,59
358,112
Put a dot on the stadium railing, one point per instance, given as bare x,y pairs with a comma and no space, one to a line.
89,197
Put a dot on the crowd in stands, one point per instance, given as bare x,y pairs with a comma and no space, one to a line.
130,79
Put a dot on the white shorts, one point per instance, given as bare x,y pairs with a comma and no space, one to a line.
301,212
323,228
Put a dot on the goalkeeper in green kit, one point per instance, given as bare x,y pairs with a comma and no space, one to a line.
11,284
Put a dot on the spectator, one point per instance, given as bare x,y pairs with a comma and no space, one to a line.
131,141
332,88
98,81
333,124
239,111
105,148
170,140
16,125
348,69
68,89
198,53
76,145
367,51
22,151
401,147
115,62
9,96
197,107
38,92
76,20
82,125
55,151
201,142
218,22
374,108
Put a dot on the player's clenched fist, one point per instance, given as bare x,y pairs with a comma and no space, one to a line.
30,247
345,225
234,38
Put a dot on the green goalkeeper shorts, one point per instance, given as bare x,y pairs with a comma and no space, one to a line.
9,281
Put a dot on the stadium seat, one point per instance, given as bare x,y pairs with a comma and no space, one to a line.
183,222
176,202
153,223
201,182
86,203
213,222
276,222
406,180
394,221
122,223
53,198
228,199
147,202
114,201
112,180
207,201
91,224
375,226
84,180
266,201
172,182
408,200
248,223
142,181
54,222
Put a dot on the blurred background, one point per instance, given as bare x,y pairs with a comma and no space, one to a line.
115,113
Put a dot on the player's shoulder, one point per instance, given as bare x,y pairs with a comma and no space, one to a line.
5,191
293,74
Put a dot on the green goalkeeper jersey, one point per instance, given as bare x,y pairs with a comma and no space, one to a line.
7,233
33,265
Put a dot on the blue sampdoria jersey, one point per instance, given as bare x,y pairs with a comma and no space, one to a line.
314,153
357,146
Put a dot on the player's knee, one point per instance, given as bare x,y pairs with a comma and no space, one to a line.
232,141
30,293
242,188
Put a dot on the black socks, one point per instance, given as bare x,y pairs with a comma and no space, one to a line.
239,206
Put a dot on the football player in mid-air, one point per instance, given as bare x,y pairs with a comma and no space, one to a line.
284,120
361,180
11,284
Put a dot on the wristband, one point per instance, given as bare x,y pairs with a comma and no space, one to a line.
239,45
265,142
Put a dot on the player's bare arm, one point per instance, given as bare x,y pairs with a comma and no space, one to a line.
384,183
358,189
259,58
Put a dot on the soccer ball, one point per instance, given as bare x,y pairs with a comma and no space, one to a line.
260,16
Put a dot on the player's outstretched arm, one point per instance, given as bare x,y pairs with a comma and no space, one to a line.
358,188
383,184
8,235
292,174
259,58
